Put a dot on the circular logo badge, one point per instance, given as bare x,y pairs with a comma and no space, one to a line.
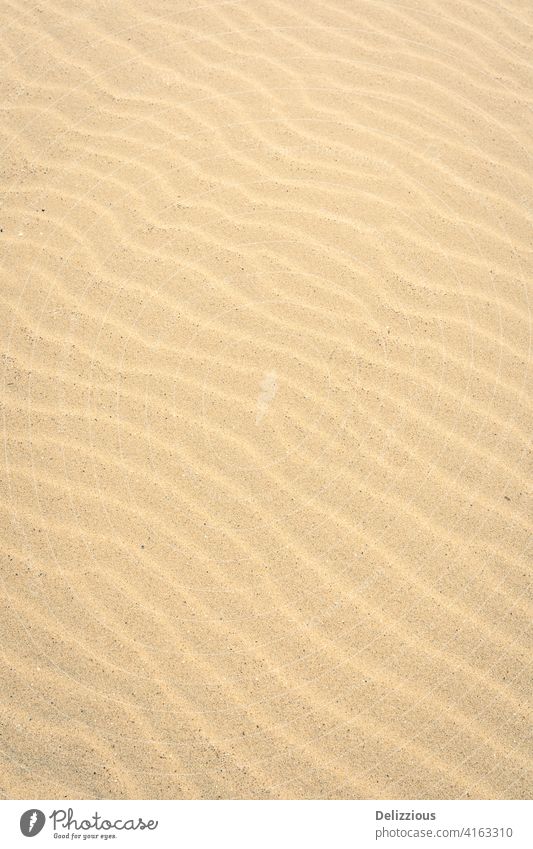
32,822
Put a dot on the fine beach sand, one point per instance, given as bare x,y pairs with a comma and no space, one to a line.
265,335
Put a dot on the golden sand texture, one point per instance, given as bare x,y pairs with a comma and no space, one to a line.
265,343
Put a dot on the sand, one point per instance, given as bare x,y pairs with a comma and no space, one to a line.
265,339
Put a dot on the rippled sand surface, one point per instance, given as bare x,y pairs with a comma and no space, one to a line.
265,336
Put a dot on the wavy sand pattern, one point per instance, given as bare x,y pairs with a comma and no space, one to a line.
265,345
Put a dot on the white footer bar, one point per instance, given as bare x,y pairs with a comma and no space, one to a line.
267,824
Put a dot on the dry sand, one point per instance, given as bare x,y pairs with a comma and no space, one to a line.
265,348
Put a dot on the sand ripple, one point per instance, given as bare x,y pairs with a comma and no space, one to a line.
266,340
